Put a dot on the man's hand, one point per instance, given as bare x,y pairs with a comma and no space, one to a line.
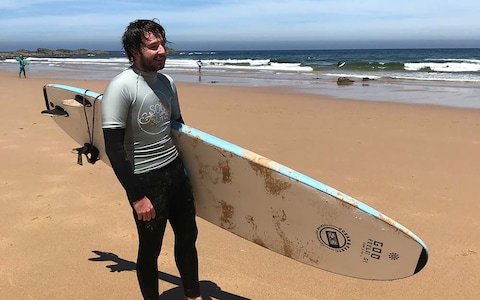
144,209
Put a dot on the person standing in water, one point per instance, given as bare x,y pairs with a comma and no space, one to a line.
199,64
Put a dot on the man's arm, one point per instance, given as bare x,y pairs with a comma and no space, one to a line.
124,172
121,166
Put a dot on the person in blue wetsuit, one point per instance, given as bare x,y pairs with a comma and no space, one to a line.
22,63
137,107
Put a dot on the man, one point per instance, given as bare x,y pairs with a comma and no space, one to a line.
137,107
199,64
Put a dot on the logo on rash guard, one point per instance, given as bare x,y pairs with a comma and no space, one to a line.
154,113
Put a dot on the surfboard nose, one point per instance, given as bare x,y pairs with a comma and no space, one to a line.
422,261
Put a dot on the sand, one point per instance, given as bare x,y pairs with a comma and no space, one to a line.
67,230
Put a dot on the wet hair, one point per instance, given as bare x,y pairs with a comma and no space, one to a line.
136,31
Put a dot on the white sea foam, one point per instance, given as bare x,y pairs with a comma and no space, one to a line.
238,64
179,64
444,65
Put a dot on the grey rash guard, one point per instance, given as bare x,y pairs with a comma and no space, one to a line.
143,105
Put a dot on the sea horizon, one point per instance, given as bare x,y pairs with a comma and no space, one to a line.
438,76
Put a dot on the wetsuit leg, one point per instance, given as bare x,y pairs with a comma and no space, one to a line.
182,220
150,243
170,193
157,186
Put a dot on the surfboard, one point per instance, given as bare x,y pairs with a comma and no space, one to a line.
263,201
25,62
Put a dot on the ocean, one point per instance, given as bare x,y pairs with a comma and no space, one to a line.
448,77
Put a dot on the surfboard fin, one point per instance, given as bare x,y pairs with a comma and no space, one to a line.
90,151
56,112
79,101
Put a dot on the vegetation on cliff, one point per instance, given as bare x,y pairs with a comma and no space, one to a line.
44,52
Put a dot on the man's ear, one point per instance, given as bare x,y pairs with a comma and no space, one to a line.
135,53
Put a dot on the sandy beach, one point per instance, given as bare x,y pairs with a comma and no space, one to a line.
67,230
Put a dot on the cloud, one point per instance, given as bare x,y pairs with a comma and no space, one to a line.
237,21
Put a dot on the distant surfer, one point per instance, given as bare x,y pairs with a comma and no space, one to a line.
22,63
200,64
340,64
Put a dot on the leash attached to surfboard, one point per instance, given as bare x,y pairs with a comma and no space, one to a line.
88,149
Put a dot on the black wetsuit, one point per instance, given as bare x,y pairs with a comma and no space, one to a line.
136,112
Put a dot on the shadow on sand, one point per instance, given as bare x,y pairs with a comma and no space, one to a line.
210,290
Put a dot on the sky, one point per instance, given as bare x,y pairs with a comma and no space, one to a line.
243,24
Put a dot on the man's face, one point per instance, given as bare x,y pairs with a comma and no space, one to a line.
152,55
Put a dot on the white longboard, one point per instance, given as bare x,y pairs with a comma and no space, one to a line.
265,202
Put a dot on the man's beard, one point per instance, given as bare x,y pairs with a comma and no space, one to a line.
149,65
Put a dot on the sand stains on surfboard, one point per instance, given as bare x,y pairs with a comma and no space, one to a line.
273,185
224,169
227,214
280,219
220,173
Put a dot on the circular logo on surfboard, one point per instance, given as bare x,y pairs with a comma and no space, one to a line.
333,237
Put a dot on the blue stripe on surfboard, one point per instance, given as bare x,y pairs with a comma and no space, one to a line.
76,90
241,152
